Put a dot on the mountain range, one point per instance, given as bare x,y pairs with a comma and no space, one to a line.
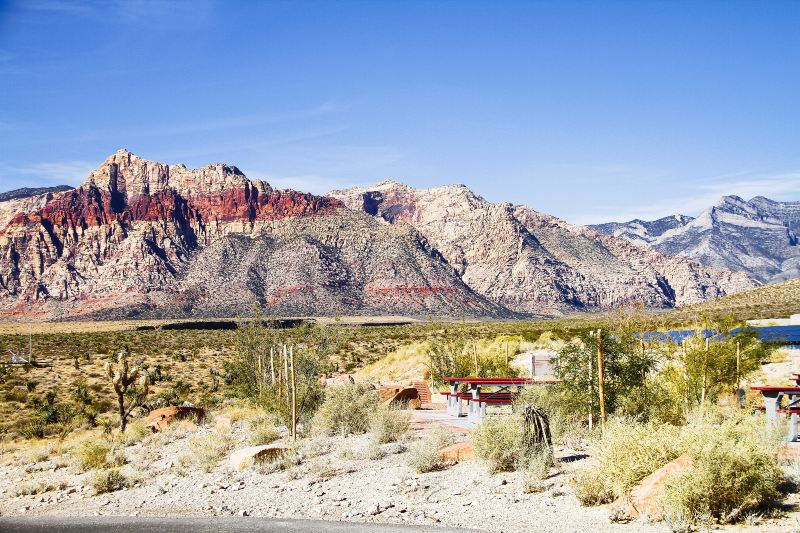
758,237
145,239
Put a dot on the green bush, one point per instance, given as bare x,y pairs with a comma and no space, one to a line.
108,480
423,456
499,442
346,410
91,454
735,469
630,451
389,425
591,487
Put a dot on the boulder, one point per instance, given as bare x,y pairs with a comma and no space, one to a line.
400,394
160,418
461,451
644,498
243,458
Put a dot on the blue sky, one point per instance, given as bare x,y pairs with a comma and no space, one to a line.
591,111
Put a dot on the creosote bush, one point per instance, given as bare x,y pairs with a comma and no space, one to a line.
389,425
423,455
499,442
108,480
734,470
91,454
628,452
346,410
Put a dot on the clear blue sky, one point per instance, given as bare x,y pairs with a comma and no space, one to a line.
591,111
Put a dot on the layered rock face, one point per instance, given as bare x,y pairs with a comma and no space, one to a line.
26,200
757,237
141,238
532,262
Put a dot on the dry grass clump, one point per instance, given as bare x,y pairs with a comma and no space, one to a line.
39,451
136,431
91,454
346,410
263,431
389,425
735,470
108,480
591,487
30,487
629,451
535,470
423,455
205,453
498,441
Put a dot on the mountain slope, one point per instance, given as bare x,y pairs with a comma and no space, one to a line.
532,262
141,238
758,237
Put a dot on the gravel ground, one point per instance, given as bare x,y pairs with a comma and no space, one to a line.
334,482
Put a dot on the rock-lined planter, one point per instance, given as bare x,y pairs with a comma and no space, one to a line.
161,418
241,459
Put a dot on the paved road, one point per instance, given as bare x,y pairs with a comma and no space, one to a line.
125,524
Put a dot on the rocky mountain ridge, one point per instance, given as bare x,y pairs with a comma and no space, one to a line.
140,238
758,237
533,262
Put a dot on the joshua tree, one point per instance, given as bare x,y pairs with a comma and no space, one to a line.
125,378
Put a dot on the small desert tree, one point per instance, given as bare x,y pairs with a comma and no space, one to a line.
131,385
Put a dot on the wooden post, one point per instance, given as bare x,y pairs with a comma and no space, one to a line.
272,366
600,382
705,374
260,374
294,396
506,355
286,372
475,358
738,364
591,393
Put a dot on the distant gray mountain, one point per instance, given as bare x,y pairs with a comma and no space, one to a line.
642,232
758,237
27,192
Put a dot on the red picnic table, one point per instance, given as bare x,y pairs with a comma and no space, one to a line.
507,389
773,397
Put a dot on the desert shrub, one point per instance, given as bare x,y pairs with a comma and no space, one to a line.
263,432
346,410
456,355
136,432
591,487
108,480
423,455
91,454
30,487
389,425
259,358
499,442
629,451
207,452
626,367
535,470
734,470
567,426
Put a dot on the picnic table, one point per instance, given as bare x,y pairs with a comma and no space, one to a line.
773,398
477,398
